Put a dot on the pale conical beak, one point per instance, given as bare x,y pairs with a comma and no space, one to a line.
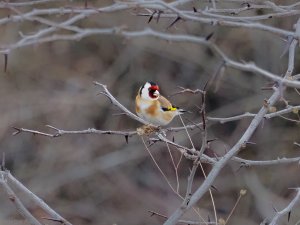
156,93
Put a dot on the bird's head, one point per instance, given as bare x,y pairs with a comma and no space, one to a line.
150,91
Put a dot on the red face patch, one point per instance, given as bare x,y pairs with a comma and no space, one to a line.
152,89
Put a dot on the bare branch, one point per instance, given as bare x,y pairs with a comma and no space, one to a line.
279,161
179,221
237,147
18,204
289,109
186,90
35,199
287,209
67,23
60,132
28,3
242,193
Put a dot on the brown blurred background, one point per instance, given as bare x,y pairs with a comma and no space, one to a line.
99,179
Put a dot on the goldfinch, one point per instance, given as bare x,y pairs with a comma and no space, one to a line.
153,107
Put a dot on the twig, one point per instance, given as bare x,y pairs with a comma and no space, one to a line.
287,209
184,150
247,163
289,109
175,168
242,193
119,105
60,132
28,3
180,221
186,90
160,170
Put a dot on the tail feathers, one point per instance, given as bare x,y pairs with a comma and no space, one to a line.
181,111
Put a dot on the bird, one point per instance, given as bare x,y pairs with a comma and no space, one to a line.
151,106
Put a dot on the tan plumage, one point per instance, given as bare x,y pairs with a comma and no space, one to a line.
153,107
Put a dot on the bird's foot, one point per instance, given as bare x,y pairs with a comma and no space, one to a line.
147,130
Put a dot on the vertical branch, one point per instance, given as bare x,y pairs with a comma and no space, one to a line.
175,167
204,147
197,161
160,170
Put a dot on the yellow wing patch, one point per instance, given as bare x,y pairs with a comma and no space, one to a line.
172,108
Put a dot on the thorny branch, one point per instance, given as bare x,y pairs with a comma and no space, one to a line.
82,13
189,153
238,146
65,27
35,199
287,209
288,109
7,180
19,205
179,221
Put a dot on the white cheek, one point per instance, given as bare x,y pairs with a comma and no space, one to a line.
145,95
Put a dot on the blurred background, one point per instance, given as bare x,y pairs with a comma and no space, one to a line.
100,179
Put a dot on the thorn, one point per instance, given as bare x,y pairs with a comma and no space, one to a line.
173,139
152,213
209,36
242,165
289,216
18,130
3,162
54,220
208,219
275,209
211,140
194,9
151,17
247,4
158,15
214,188
126,139
5,62
175,21
85,3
